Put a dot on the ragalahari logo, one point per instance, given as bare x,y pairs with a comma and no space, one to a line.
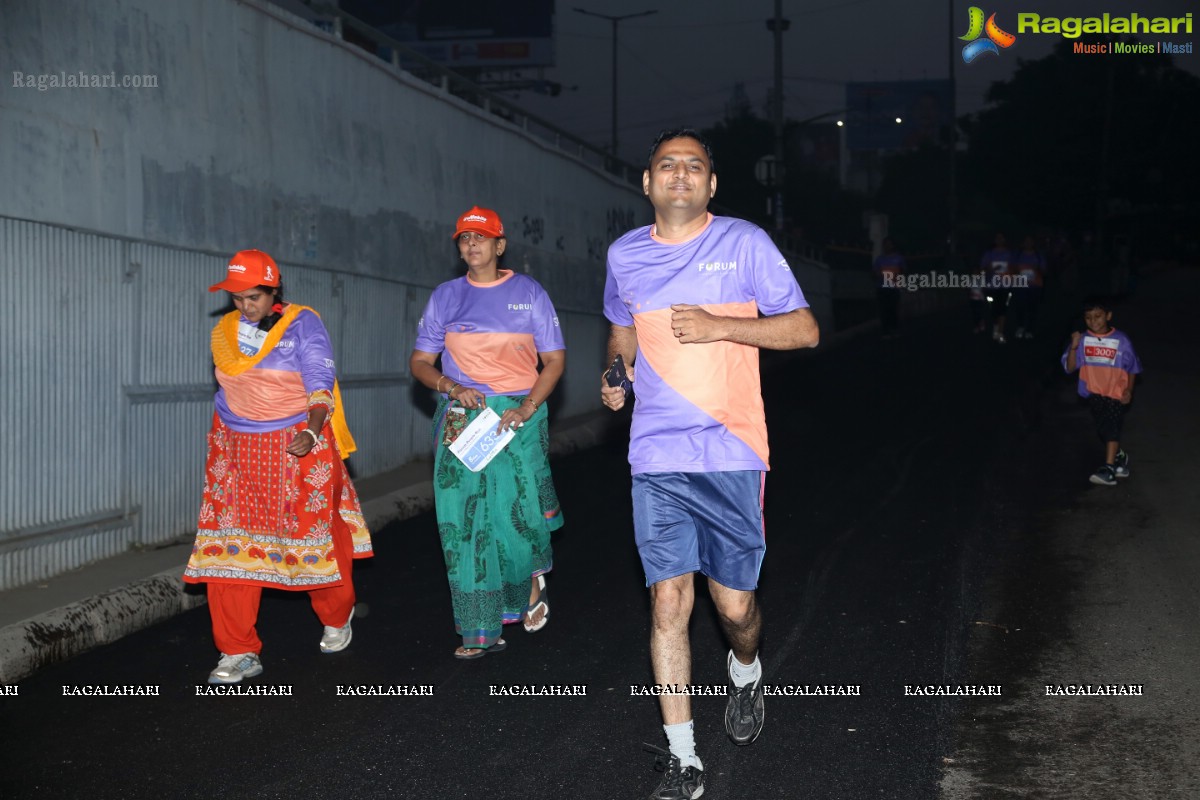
996,38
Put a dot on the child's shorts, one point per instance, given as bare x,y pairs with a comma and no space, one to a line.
1109,415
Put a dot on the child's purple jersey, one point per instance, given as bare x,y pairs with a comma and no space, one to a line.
698,406
490,334
1105,363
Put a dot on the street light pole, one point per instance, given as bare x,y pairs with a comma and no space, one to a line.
952,199
615,20
777,25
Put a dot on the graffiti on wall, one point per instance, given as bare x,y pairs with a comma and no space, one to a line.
620,220
533,229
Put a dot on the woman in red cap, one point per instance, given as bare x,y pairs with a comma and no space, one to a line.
279,509
490,329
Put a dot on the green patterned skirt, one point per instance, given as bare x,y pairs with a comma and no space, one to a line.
495,524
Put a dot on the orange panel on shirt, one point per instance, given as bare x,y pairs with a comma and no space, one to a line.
505,362
264,394
719,378
1104,380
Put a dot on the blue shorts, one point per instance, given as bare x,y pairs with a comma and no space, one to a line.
709,522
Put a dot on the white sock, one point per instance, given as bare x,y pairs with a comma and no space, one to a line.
683,744
744,674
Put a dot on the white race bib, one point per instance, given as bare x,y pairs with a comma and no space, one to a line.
1100,350
250,338
479,443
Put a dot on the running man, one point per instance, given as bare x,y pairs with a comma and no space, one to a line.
691,300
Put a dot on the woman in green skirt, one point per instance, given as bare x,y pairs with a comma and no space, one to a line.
491,328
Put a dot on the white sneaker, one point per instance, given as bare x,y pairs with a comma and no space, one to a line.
231,669
337,639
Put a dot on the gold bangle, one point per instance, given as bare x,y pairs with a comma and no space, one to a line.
531,402
439,383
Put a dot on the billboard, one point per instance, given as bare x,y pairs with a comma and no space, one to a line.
467,33
872,108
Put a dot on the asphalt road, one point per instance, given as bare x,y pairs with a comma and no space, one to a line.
892,460
1096,586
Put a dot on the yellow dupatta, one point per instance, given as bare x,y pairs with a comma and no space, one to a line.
232,361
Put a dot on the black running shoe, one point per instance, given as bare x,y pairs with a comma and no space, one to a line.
678,783
1121,465
744,713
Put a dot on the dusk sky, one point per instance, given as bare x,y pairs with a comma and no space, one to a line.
681,64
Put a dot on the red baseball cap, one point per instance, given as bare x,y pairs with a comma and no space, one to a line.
247,269
480,220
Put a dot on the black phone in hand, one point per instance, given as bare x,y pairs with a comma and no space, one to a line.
617,376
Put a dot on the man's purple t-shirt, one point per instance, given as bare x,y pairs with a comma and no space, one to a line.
698,407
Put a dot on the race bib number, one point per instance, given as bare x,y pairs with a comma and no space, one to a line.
250,338
479,443
1097,350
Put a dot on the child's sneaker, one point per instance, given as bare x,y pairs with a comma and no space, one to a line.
1105,476
1121,465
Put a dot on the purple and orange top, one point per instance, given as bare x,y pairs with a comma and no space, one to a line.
1106,363
490,334
698,407
276,392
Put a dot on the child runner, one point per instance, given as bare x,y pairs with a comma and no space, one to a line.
1107,363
